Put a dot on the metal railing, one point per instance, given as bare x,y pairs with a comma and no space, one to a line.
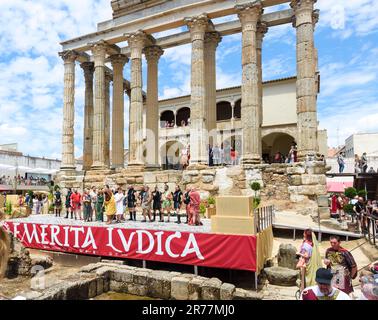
371,228
264,218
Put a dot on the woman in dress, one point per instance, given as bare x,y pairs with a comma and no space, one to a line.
309,259
87,206
119,204
110,206
100,206
184,158
194,207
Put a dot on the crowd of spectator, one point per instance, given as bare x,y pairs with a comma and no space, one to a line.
22,181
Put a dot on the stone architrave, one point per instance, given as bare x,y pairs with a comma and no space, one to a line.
262,29
99,134
304,22
108,79
137,41
212,40
152,54
68,147
198,122
88,68
118,124
249,15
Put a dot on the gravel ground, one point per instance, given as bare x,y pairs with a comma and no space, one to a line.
165,226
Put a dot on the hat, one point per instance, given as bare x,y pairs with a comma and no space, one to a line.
324,276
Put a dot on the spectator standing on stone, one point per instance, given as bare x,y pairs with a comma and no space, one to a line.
167,201
216,156
371,170
364,163
233,156
93,195
100,206
357,164
221,155
194,207
341,162
184,158
360,210
323,290
342,264
211,156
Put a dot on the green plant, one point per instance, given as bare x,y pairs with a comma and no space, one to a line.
256,202
211,200
56,187
8,208
202,208
348,208
362,193
350,192
255,186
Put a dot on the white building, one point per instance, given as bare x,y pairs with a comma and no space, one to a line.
360,143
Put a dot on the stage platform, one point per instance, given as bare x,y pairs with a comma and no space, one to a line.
151,241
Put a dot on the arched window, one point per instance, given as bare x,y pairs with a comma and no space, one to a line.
224,111
182,117
167,119
237,110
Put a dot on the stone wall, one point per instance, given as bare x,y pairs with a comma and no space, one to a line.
287,186
96,279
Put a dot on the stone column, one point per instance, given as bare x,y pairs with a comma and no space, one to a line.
108,79
88,68
304,21
153,54
68,146
212,40
198,127
99,141
249,15
136,43
262,29
118,125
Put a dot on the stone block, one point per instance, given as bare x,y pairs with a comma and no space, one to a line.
149,177
210,289
137,289
287,256
162,178
122,275
313,179
241,294
227,291
186,178
139,180
159,285
100,286
296,198
180,288
90,268
141,277
324,213
281,276
174,178
296,170
117,286
207,179
195,288
295,180
232,225
323,201
92,290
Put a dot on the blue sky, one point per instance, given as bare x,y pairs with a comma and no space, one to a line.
31,74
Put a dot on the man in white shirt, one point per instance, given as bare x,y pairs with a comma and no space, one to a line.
323,290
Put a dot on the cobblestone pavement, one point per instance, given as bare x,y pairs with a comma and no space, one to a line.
165,226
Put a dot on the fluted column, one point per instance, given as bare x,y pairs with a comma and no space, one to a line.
118,123
262,29
108,79
304,21
99,136
88,68
198,128
212,40
68,146
153,54
136,43
249,15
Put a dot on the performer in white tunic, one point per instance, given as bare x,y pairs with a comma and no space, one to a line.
119,203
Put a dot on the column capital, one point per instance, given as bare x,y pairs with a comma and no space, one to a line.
302,4
99,48
198,24
212,39
249,12
304,12
119,59
262,29
153,53
69,56
108,76
139,39
88,68
315,16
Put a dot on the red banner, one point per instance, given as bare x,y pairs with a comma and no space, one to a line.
199,249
